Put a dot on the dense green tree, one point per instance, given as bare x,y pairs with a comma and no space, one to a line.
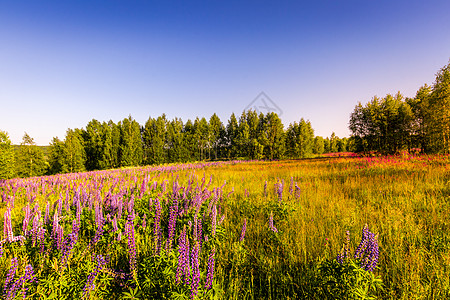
319,145
242,137
300,139
56,156
419,137
154,140
30,158
131,151
189,141
232,131
7,169
382,124
439,103
94,145
255,148
176,151
274,136
74,155
201,135
216,130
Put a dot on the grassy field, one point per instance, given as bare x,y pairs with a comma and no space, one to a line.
119,234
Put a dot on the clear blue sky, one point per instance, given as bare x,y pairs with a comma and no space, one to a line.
63,63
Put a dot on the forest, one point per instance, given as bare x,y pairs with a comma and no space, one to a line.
108,145
381,126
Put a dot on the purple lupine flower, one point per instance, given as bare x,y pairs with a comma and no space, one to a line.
210,272
182,262
199,232
244,228
291,186
195,269
35,230
130,205
221,219
114,223
297,191
69,243
129,227
99,220
59,238
60,205
101,262
10,276
157,229
213,220
7,226
41,237
265,189
1,250
343,254
55,225
279,190
120,208
26,219
271,223
367,251
47,213
172,224
79,211
28,276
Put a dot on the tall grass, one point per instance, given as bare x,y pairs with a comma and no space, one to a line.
405,199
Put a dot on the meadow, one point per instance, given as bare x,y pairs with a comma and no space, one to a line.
285,229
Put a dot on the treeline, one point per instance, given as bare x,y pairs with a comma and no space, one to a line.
106,145
394,123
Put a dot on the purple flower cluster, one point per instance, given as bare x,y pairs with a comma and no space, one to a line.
265,189
279,190
271,223
244,228
129,229
157,228
183,268
210,272
101,262
213,220
12,287
172,224
7,229
195,269
367,251
26,219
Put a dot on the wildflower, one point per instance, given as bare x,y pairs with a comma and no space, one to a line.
265,189
367,251
213,220
244,227
343,254
11,273
271,223
26,220
131,243
157,229
195,269
210,272
90,281
172,223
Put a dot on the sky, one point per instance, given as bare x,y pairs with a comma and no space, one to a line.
64,63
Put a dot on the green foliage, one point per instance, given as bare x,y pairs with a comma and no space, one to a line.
7,169
30,159
346,281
